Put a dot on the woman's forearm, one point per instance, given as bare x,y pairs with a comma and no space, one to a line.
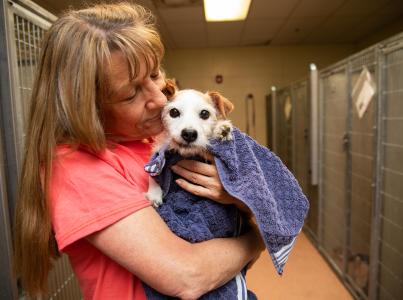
144,245
219,260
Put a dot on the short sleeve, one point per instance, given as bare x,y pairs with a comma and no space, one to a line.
87,194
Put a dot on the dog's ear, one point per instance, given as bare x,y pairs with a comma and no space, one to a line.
170,88
223,105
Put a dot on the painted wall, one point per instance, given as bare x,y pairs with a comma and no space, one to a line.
248,70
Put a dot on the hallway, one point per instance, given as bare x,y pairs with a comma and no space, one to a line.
306,276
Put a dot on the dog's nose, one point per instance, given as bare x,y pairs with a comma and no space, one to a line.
189,135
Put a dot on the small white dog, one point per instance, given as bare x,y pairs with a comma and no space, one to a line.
190,119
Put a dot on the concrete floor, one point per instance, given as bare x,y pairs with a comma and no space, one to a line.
306,276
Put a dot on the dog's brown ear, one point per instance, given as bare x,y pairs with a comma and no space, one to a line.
223,105
170,88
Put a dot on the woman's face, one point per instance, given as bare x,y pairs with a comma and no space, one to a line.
133,109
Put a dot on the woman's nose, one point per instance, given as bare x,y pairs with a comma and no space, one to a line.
155,97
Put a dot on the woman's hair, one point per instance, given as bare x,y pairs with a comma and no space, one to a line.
71,83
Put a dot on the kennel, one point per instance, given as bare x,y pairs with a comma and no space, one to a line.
301,149
289,128
361,153
346,180
356,221
24,25
388,282
300,123
282,124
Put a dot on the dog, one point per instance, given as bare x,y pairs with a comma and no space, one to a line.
190,119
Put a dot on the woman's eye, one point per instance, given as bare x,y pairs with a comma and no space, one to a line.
130,98
155,75
132,95
204,114
174,113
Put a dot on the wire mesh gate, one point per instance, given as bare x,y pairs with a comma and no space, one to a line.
333,165
289,137
301,155
389,283
27,24
347,171
369,255
283,125
357,223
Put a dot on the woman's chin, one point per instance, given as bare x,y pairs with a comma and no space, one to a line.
154,130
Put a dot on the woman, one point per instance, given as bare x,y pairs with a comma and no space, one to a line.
96,105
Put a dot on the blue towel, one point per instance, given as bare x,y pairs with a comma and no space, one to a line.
250,173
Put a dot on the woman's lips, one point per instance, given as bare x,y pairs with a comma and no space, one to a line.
153,119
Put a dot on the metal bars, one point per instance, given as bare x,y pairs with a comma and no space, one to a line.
26,25
390,279
62,283
347,162
8,169
334,165
300,138
26,35
283,125
359,227
290,139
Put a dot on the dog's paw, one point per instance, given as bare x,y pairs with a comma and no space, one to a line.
223,130
155,197
154,192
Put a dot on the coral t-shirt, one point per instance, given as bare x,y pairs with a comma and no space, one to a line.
88,193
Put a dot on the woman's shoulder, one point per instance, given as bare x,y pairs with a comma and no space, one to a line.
66,154
89,191
120,156
74,152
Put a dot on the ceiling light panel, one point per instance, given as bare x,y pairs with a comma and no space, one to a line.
226,10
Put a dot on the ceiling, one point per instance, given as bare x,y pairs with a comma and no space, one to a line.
274,22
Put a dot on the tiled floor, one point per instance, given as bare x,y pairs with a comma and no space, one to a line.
306,276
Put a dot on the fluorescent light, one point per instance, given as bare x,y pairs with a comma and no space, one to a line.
226,10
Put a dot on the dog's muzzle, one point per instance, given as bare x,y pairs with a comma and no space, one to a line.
189,135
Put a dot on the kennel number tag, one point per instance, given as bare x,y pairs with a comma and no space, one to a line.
363,92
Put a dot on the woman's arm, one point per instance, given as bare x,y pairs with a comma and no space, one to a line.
143,244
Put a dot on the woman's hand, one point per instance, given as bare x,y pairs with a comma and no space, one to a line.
202,179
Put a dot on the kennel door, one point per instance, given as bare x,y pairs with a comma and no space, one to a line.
284,126
300,134
301,151
333,164
363,72
27,26
390,279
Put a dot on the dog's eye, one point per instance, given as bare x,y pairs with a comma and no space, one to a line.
174,113
204,114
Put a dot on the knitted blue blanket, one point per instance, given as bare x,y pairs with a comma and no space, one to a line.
250,173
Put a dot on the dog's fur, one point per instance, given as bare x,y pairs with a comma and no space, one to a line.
190,119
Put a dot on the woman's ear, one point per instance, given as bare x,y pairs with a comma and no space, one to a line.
223,105
170,88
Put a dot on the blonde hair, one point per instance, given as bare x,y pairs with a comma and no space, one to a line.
70,86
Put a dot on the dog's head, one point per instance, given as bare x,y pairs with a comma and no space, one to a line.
190,117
